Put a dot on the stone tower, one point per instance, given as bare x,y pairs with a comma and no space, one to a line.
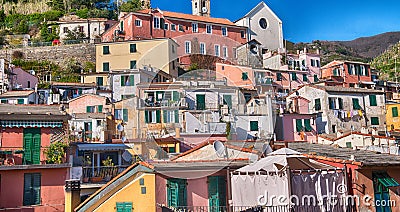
201,7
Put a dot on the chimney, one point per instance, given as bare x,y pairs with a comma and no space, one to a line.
72,194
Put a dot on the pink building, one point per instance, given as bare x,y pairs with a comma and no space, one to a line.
87,103
20,79
296,127
27,181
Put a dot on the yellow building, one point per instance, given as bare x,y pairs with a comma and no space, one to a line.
157,53
132,190
392,116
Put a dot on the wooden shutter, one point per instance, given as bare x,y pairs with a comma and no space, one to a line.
176,192
294,76
305,79
395,112
165,116
20,101
200,102
316,78
122,80
175,96
227,100
176,116
28,149
88,109
132,79
100,108
146,116
299,126
307,125
356,104
125,115
372,100
216,192
340,103
253,125
317,104
158,116
36,149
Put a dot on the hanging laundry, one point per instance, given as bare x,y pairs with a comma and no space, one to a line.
343,114
355,113
360,113
348,114
335,113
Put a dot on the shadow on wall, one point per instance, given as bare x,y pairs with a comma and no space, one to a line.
242,134
320,125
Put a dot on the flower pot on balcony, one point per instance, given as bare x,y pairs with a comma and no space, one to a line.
96,179
85,180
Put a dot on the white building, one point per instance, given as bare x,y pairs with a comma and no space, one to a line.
264,26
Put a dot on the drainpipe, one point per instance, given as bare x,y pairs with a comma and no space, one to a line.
228,182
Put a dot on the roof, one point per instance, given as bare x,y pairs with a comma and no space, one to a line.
339,89
338,62
32,112
73,84
176,15
101,147
362,158
259,6
170,166
86,95
10,94
89,116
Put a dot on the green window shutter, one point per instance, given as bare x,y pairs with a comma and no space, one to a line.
348,145
299,126
125,115
374,121
88,109
278,76
372,100
294,76
124,206
245,76
133,64
158,116
216,192
99,81
165,116
316,78
122,80
146,117
32,184
4,101
307,125
253,125
159,95
349,68
200,102
20,101
227,100
121,25
175,96
106,67
176,192
176,113
305,79
356,104
28,199
131,80
395,112
106,50
36,149
100,108
340,103
331,103
317,104
27,157
132,47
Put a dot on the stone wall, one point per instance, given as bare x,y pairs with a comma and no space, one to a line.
57,54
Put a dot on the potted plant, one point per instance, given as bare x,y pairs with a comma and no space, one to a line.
87,161
109,168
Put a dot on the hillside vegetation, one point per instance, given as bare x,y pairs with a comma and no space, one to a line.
388,63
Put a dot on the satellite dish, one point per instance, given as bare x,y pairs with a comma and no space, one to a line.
204,9
127,156
123,139
219,148
120,128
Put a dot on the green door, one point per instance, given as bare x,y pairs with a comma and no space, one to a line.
124,206
32,140
200,102
216,193
176,192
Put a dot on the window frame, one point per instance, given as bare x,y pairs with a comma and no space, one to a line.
138,22
156,24
219,50
226,31
188,47
203,48
106,50
195,27
208,28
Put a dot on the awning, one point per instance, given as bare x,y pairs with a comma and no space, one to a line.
386,180
101,147
367,83
52,124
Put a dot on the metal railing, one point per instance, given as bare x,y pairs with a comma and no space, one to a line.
278,208
102,171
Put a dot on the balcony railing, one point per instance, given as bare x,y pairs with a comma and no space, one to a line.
280,208
102,172
162,103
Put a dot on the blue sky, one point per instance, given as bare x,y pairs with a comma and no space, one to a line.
307,20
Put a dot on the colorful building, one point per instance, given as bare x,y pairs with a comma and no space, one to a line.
28,182
23,97
392,116
347,74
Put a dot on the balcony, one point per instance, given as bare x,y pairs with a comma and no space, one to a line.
96,174
146,103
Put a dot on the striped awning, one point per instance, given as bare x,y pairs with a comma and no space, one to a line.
52,124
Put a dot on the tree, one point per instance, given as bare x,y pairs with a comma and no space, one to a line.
2,18
56,153
131,6
75,34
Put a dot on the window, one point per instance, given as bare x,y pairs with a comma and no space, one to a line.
351,69
227,100
65,30
121,26
305,79
245,76
106,67
216,49
242,34
294,76
121,114
4,101
138,22
253,125
209,29
195,27
316,78
224,31
225,52
278,76
374,121
156,22
176,192
318,64
372,100
173,27
188,47
170,116
299,125
335,103
180,28
202,48
307,125
166,26
133,64
336,72
142,190
124,206
395,112
20,101
356,104
173,49
141,181
200,102
106,50
99,81
128,80
32,183
152,116
263,23
132,48
317,104
382,183
312,62
90,109
80,28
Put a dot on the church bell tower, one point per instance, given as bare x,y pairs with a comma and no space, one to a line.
201,7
